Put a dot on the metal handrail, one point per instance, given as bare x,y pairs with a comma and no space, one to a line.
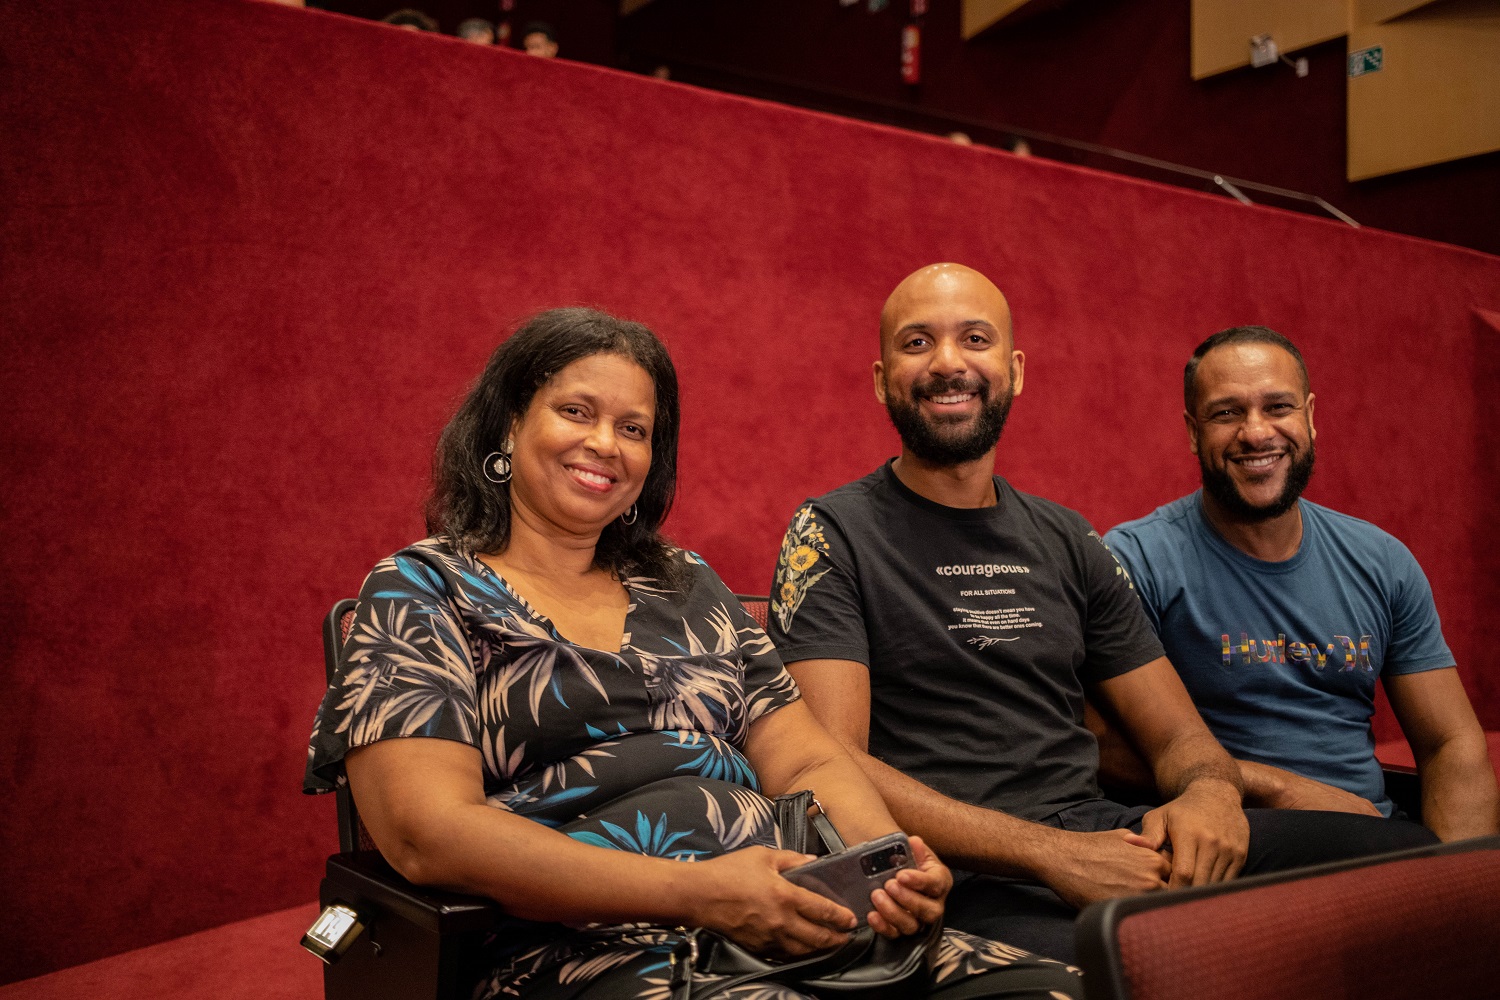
1232,186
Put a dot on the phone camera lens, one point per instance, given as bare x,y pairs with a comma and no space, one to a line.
882,861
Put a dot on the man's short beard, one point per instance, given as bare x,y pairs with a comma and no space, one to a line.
927,442
1217,484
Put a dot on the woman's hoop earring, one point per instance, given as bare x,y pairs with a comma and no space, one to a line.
497,467
630,515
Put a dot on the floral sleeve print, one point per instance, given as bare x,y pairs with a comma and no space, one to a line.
802,563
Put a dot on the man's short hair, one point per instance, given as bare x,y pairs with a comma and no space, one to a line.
539,28
476,26
1238,335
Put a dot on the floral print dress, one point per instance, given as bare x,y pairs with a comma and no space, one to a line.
639,750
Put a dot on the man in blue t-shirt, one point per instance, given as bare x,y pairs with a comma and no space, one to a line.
1279,614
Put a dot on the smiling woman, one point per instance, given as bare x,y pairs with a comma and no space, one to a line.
548,704
591,349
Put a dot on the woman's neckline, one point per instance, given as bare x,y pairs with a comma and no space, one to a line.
551,626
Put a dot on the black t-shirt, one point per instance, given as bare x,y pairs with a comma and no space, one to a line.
980,628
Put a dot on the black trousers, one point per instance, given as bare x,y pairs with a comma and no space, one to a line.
1031,916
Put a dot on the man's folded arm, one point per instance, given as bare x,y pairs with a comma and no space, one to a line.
1122,767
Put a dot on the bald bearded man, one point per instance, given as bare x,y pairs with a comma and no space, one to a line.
945,627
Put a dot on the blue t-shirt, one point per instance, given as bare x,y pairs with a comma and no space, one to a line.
1281,657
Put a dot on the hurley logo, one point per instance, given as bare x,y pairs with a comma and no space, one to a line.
1343,650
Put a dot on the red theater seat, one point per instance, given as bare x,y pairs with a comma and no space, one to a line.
1418,923
757,606
1396,754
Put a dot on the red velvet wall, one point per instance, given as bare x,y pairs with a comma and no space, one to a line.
253,256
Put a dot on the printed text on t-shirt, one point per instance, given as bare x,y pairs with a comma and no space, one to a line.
994,618
1278,650
980,569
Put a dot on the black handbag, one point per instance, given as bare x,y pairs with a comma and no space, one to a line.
866,967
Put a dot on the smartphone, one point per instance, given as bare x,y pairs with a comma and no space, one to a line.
849,876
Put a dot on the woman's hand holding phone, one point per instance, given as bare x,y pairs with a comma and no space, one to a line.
895,885
743,896
914,897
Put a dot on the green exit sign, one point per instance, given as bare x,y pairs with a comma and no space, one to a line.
1371,60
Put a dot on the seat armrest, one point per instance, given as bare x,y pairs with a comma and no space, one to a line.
418,943
1404,788
370,880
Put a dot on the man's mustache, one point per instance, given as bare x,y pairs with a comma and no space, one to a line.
938,385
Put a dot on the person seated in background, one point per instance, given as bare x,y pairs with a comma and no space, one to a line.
945,627
476,30
539,38
411,19
1017,145
1279,614
548,704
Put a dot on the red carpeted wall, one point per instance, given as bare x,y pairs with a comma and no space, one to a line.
253,255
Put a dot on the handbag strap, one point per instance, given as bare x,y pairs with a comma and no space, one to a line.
824,827
701,951
801,832
791,819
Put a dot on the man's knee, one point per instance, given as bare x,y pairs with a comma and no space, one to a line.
1290,838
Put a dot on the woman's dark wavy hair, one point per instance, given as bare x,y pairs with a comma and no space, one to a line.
473,513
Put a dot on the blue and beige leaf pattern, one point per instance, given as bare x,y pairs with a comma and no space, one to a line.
637,958
442,647
652,837
712,757
751,820
640,750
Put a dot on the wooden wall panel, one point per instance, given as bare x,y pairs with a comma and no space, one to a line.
981,14
1436,96
1222,29
1380,11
